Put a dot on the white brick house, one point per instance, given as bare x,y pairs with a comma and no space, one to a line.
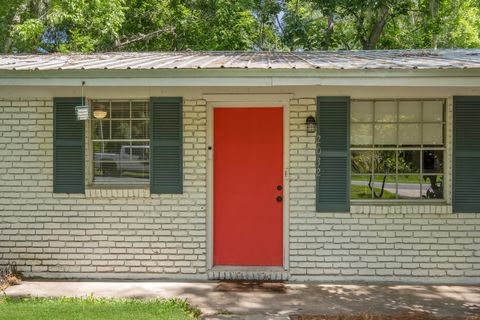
227,180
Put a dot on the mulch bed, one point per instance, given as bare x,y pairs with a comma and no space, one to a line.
9,276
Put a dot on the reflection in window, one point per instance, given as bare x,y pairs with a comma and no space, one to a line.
397,149
409,161
433,187
120,140
360,188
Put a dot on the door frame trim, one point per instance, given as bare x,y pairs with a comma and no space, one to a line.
248,101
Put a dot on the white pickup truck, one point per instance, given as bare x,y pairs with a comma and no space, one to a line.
130,158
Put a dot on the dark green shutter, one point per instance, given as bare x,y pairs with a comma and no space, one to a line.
466,154
166,145
68,147
333,156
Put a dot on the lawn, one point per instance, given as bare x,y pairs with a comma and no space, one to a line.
95,308
391,179
363,192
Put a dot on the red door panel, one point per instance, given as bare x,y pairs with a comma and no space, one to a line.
248,168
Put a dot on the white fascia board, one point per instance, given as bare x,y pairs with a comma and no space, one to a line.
244,77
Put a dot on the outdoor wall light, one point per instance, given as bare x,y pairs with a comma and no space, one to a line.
100,113
311,124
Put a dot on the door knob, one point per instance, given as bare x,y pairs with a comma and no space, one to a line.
279,187
279,199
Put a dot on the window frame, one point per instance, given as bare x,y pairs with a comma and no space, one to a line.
119,184
398,148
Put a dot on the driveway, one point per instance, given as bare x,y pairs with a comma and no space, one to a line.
226,300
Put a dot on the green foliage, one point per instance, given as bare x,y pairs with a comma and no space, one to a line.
95,308
146,25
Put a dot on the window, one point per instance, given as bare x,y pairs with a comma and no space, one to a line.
121,142
397,149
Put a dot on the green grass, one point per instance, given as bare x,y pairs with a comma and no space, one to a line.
95,308
363,192
390,179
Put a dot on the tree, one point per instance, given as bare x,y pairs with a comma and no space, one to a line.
145,25
63,26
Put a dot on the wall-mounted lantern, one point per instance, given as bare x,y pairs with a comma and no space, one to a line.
311,124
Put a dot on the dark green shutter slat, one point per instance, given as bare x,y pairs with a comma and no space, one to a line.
466,154
333,154
68,147
166,144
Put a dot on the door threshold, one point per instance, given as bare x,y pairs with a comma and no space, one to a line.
249,273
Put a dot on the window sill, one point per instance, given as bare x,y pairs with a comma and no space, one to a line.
421,207
116,191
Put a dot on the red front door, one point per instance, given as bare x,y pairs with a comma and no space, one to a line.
248,186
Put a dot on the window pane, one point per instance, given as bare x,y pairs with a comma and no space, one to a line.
384,187
432,134
362,161
140,151
121,162
385,161
433,161
361,134
140,109
433,111
359,188
135,162
385,111
385,134
410,111
362,111
432,187
106,147
120,129
121,109
409,134
140,129
408,187
101,129
408,161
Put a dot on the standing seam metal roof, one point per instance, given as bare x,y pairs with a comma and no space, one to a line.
376,59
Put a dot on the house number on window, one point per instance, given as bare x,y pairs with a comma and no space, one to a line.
319,151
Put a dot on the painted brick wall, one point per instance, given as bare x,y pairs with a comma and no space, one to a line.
103,232
424,243
130,233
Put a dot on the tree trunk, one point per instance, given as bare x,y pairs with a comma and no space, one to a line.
371,42
16,19
328,33
433,16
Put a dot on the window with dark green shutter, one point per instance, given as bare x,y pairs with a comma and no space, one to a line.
166,144
68,148
333,154
466,154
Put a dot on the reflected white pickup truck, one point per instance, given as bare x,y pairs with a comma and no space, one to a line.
130,158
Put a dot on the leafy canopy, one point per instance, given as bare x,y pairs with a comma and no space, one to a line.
146,25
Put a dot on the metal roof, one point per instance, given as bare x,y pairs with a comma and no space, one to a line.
375,59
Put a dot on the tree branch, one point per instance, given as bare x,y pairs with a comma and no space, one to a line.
142,37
